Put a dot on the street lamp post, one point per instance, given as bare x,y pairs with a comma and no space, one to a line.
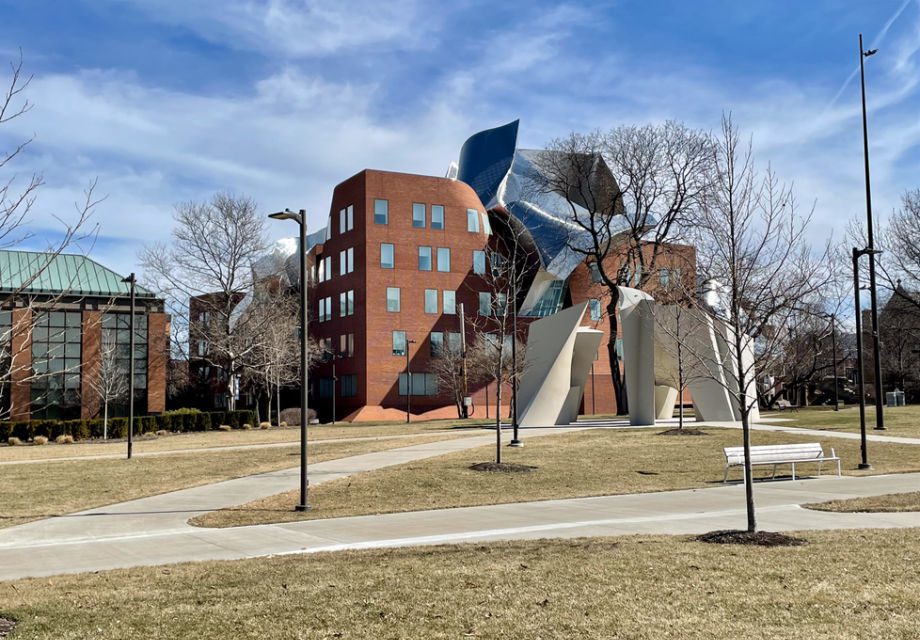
515,440
864,462
132,281
335,356
833,318
408,381
876,346
301,220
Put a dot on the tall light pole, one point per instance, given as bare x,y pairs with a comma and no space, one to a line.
833,318
408,381
301,220
133,284
876,346
864,462
515,440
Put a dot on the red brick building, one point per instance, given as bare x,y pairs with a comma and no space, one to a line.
401,254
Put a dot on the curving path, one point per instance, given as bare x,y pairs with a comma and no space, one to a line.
154,531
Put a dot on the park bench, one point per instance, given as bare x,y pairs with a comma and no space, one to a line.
777,454
785,405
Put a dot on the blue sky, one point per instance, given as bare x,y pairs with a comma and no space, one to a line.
164,101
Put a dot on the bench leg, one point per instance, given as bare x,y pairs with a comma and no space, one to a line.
725,475
793,471
774,473
819,468
838,468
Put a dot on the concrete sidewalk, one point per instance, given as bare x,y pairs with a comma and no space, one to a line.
674,512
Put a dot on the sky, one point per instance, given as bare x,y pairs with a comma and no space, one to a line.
167,101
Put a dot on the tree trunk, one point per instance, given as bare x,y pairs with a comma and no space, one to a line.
615,377
278,401
105,420
498,420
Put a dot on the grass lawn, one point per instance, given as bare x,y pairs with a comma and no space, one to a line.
641,588
237,437
893,502
900,421
585,463
33,491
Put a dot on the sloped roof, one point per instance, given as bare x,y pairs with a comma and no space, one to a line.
32,272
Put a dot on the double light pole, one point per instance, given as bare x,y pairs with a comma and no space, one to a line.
301,219
132,282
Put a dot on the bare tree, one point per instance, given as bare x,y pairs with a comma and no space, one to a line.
214,247
899,265
447,367
753,241
631,194
18,199
110,382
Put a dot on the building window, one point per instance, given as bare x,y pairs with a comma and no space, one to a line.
350,217
437,216
485,303
595,272
393,299
326,387
437,344
479,263
387,256
449,302
453,341
346,261
202,348
399,343
325,309
203,317
326,348
472,220
501,305
343,221
486,225
618,346
498,263
444,259
431,300
418,215
424,258
550,302
381,212
423,384
349,384
595,306
664,277
346,303
347,345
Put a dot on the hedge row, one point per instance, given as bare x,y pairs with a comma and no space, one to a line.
118,427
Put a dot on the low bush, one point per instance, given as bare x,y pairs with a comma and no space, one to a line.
162,432
40,440
265,425
13,441
291,416
246,426
64,439
225,427
283,424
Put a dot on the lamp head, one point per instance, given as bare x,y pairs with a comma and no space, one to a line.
870,52
287,214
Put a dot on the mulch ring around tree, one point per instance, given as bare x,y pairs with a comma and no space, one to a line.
682,432
502,467
6,627
758,538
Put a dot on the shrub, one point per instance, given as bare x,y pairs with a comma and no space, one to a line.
118,427
283,424
64,439
246,427
225,427
13,441
162,432
203,421
39,440
265,425
291,416
164,422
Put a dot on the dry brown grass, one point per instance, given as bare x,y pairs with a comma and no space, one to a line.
899,421
891,503
636,588
586,463
237,437
41,490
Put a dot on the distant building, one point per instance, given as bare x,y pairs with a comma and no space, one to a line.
56,313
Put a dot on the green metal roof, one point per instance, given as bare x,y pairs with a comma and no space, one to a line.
48,273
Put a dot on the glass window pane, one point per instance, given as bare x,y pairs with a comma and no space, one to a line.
437,343
381,212
449,302
350,211
387,256
57,319
73,318
72,350
472,220
399,343
437,216
418,215
424,258
485,304
431,300
393,299
444,259
479,262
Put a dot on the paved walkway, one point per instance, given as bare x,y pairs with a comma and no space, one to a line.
154,530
